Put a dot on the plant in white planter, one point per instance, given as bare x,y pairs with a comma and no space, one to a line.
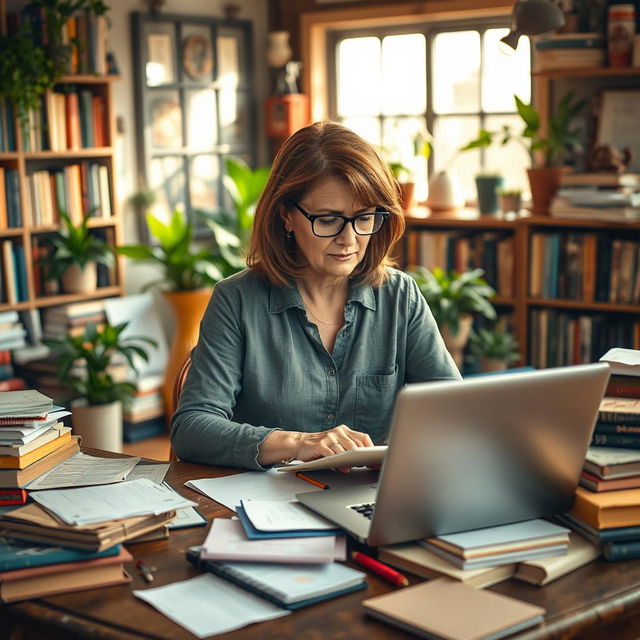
454,298
84,365
74,256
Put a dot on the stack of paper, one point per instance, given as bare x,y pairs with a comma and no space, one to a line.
501,545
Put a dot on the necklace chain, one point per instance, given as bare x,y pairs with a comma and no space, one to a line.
308,307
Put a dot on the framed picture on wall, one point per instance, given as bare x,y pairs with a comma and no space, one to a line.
159,67
619,123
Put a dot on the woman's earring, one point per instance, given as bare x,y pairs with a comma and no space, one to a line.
290,239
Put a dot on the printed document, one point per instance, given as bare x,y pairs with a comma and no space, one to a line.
89,505
281,515
208,605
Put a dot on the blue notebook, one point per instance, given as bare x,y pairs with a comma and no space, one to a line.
254,534
291,586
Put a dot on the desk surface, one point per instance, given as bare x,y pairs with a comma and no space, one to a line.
598,601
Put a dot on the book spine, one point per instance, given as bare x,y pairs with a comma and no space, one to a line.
623,390
622,429
615,551
617,417
629,441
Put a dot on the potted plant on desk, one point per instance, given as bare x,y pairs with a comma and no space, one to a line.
547,147
86,364
496,348
454,298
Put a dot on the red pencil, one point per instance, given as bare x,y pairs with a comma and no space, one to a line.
380,569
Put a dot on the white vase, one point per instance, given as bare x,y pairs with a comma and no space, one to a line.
100,425
279,50
445,192
78,280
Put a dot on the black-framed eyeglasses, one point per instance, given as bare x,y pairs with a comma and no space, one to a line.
328,225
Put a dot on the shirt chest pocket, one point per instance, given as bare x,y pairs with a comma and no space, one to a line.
375,395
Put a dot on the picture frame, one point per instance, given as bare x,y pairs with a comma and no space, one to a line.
160,66
619,123
197,56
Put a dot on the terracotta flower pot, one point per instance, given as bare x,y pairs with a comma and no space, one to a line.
188,309
78,280
456,342
406,195
544,183
494,364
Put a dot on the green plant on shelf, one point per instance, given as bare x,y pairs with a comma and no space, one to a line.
496,343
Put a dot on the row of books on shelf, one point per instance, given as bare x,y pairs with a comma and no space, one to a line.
585,266
85,33
461,251
75,119
569,50
10,204
78,189
594,203
558,338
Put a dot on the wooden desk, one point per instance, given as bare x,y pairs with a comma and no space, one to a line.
595,602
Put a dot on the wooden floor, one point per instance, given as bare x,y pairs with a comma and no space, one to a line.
153,448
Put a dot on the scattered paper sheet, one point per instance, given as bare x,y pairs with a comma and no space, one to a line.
260,485
208,605
282,515
89,505
28,402
154,472
82,470
623,361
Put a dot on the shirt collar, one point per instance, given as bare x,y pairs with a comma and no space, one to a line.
282,298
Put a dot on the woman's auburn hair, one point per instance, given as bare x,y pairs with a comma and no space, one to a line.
318,151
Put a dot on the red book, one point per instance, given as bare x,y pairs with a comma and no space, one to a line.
72,113
12,496
98,112
11,384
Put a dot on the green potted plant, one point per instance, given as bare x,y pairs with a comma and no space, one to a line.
85,364
496,348
487,185
454,298
510,200
74,256
548,147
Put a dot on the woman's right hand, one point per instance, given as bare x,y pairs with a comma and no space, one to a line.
326,443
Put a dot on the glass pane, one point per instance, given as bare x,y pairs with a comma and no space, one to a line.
228,61
167,179
404,89
160,54
202,128
233,108
504,75
204,181
449,135
196,54
165,120
368,128
456,72
510,160
359,77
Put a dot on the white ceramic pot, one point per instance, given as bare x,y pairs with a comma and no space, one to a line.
279,50
100,426
77,280
445,192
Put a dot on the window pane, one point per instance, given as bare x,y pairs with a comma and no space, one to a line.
368,128
235,126
404,89
204,183
167,179
202,128
450,134
510,160
165,117
456,72
359,77
504,74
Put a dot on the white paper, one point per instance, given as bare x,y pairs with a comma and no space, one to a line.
282,515
89,505
226,540
154,472
24,403
140,312
208,605
360,457
187,517
82,470
623,361
259,485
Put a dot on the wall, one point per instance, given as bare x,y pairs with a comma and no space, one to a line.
120,43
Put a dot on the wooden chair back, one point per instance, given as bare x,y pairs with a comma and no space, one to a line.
175,396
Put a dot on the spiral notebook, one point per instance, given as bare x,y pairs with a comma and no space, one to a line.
291,586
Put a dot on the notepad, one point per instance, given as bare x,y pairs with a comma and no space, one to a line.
445,608
292,586
282,515
226,540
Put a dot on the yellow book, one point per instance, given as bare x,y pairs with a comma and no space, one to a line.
20,462
606,510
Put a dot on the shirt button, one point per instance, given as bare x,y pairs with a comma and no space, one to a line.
331,372
330,416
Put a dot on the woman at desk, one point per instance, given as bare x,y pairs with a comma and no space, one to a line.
302,354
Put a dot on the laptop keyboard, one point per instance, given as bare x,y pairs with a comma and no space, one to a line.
365,510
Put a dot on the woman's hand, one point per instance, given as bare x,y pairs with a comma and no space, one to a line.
325,443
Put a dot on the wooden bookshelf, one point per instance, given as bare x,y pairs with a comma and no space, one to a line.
521,304
26,161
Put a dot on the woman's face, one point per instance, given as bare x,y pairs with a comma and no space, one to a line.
334,257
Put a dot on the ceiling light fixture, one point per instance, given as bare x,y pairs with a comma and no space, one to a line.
531,18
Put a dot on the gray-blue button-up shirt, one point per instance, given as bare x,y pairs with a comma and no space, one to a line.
260,365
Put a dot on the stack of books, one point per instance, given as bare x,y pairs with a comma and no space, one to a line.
569,51
145,415
8,380
72,318
32,438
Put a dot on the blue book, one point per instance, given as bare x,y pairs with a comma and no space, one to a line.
21,273
11,126
254,534
291,586
19,554
13,190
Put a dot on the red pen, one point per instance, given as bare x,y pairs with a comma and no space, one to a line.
380,569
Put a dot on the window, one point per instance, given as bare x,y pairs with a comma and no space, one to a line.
392,87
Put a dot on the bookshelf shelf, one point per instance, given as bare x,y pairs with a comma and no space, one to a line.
587,72
101,152
607,307
51,301
11,232
96,223
87,79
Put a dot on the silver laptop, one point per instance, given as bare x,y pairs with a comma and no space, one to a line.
464,455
